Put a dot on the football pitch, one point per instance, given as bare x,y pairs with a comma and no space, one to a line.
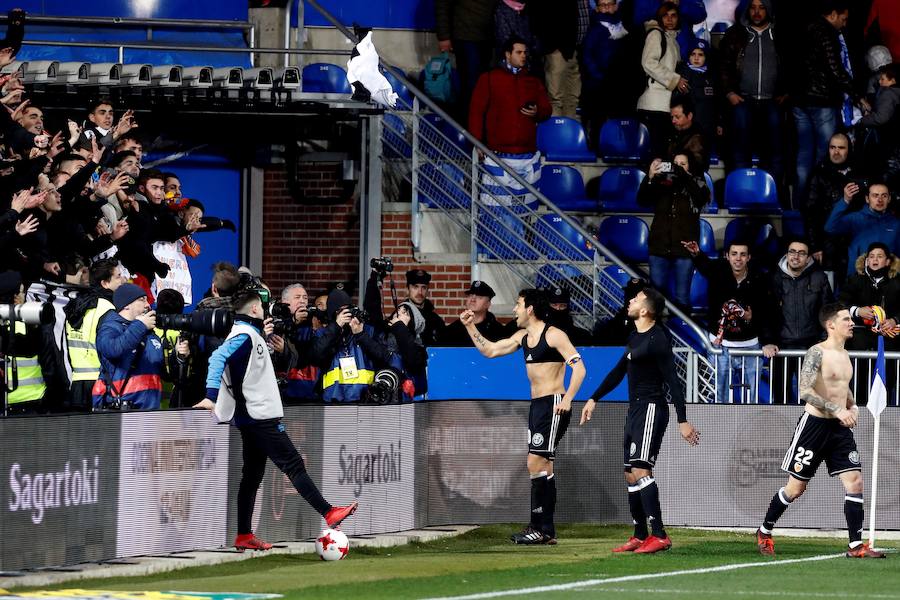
483,564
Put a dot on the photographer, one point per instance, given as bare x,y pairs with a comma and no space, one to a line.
131,356
83,315
677,197
353,353
403,331
24,346
295,346
178,351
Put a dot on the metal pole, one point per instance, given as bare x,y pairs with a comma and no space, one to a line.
287,32
416,233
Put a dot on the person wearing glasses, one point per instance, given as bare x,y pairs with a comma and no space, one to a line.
801,289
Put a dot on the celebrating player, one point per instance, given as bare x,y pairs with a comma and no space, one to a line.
551,404
649,363
824,433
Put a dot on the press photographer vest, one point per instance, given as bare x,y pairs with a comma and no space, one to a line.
31,379
257,385
82,343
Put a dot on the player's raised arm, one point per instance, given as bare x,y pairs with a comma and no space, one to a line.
558,340
485,346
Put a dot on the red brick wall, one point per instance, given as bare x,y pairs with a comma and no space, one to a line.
448,282
315,244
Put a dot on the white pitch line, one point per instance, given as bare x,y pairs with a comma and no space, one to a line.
561,587
772,593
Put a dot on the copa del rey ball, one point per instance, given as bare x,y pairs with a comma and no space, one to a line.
332,545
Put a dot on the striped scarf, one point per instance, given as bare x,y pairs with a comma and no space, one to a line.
847,106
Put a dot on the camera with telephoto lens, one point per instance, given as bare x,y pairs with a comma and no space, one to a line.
216,322
282,318
358,313
30,313
385,388
252,283
382,265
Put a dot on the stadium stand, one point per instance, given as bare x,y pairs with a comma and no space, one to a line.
564,186
627,236
618,190
563,139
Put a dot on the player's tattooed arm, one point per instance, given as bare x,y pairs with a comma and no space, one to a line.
479,339
812,365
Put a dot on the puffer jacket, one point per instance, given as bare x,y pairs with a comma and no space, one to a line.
467,20
800,298
131,360
659,68
676,203
822,79
734,44
865,226
862,290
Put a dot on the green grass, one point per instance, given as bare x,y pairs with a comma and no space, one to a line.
483,561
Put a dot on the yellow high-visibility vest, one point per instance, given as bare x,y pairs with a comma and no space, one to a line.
31,380
82,343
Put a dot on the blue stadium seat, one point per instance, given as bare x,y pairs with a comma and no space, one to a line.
751,191
325,78
563,139
699,292
558,240
683,330
759,233
502,236
707,241
443,185
712,207
550,276
720,27
443,141
565,188
627,236
618,190
404,96
618,274
394,140
624,140
792,225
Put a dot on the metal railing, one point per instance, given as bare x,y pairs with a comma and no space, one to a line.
750,378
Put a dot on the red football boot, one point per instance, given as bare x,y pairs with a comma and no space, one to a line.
248,541
631,545
765,543
337,514
654,544
863,551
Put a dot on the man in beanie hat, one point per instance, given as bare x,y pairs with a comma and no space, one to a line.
561,316
417,281
478,300
871,223
131,355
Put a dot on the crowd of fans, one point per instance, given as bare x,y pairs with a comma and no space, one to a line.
107,238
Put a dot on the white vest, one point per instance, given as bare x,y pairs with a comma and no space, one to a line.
258,383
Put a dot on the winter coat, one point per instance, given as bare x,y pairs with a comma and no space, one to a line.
509,22
826,188
822,79
864,226
368,353
659,68
494,114
692,142
733,46
455,335
467,20
676,202
861,289
752,292
131,359
601,55
800,298
693,12
885,115
703,95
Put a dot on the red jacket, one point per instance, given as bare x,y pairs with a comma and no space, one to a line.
887,13
494,116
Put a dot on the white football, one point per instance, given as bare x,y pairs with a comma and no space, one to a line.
332,545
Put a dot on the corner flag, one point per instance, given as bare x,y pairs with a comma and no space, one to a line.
878,391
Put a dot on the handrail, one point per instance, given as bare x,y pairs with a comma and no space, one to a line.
802,353
701,334
136,22
182,48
